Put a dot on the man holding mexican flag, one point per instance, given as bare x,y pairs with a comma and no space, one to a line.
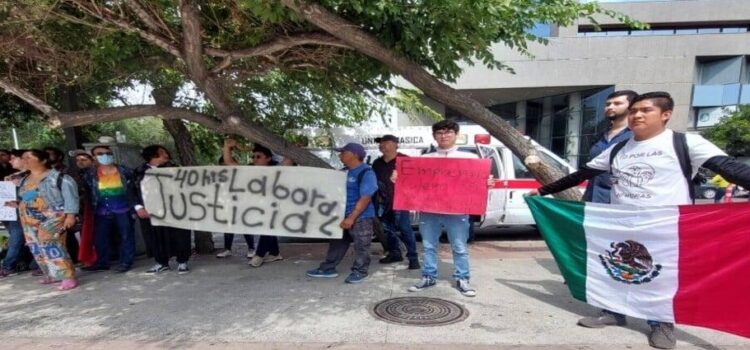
651,255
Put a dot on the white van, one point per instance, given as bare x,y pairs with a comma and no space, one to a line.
505,203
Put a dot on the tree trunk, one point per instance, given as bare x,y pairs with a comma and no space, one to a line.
204,242
351,34
193,55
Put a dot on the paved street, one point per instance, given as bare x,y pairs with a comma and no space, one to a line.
522,304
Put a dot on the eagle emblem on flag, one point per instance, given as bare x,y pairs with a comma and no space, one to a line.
630,262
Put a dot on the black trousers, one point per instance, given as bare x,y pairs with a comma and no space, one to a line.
167,242
266,245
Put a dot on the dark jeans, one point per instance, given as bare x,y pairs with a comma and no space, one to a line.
167,242
650,322
266,245
71,245
229,237
361,235
399,221
15,244
103,227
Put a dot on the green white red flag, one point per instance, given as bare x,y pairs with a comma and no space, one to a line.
685,264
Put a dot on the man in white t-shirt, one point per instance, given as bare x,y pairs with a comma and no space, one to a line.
646,171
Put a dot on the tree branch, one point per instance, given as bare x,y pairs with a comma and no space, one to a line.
34,101
279,44
149,19
71,119
369,45
109,17
231,115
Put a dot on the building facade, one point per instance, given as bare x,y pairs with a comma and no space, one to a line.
697,50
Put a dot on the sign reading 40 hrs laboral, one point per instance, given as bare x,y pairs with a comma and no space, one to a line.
262,200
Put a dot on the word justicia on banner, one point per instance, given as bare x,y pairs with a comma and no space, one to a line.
282,201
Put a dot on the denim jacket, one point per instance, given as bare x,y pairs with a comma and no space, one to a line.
91,179
64,199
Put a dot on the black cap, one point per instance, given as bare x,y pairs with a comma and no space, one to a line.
386,138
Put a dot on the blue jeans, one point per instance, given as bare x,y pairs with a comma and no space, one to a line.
400,221
103,227
15,243
457,226
618,315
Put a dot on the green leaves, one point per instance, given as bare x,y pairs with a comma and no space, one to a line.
732,133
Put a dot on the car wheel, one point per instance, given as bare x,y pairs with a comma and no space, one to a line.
709,193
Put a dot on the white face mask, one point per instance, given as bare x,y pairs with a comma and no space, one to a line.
105,159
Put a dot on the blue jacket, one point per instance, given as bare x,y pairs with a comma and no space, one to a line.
598,188
65,198
127,178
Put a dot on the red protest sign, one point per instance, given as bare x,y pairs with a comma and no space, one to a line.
442,185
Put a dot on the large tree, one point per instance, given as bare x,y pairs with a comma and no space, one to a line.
263,65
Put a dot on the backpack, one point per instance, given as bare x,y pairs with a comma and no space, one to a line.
679,141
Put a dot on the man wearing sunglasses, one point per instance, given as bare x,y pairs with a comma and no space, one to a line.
113,196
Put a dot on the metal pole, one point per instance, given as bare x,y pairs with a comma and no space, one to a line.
15,139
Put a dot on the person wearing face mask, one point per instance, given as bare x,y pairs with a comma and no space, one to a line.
111,188
162,241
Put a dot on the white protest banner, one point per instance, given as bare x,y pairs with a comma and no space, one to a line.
263,200
7,194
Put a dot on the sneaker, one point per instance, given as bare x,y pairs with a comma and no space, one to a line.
122,269
157,268
250,253
414,264
7,273
662,336
355,278
68,284
256,261
271,258
424,283
224,254
465,288
318,273
603,320
390,259
182,269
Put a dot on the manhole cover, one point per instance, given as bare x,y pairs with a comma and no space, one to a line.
419,311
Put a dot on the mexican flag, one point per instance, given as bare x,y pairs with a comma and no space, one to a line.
684,264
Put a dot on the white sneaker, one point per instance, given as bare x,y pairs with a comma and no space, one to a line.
256,261
250,253
465,288
272,258
224,254
183,269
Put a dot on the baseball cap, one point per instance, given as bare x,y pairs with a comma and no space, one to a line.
354,148
78,152
387,137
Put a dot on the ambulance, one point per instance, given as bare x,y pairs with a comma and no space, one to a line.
505,203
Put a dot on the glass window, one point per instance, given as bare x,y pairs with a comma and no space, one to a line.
709,30
542,30
723,71
734,30
593,122
687,31
522,172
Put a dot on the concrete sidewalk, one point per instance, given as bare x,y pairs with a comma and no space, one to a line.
223,303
